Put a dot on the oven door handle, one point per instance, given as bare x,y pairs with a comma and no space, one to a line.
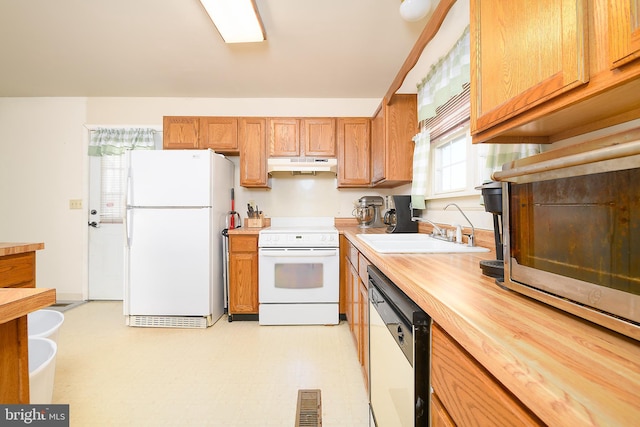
304,252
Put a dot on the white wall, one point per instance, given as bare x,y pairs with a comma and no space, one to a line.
42,162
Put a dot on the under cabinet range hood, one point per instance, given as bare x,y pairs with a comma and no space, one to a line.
301,165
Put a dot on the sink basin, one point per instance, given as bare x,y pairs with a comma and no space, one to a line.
414,243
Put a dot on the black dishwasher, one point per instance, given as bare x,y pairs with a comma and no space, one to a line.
399,356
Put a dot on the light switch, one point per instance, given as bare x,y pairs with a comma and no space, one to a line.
75,204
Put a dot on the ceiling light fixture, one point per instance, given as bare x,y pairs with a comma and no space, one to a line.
237,21
414,10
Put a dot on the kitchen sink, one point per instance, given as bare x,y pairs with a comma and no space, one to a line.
414,243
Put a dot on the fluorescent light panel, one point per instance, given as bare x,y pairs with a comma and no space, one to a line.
237,21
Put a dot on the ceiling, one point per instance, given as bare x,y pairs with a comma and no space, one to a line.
170,48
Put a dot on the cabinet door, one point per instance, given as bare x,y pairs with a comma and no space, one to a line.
243,274
354,148
253,153
219,134
318,137
180,132
392,132
624,31
364,331
355,309
523,53
284,138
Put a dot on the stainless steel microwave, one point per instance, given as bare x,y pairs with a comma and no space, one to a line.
571,230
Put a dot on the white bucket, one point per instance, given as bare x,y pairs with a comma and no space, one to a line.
45,324
42,369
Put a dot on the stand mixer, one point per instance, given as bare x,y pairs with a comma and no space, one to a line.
368,212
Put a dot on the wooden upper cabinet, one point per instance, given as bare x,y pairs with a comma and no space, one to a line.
180,132
318,137
253,153
284,137
624,28
302,137
392,130
354,151
219,134
524,53
545,71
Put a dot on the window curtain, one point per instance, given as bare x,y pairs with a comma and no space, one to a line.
447,78
420,169
114,142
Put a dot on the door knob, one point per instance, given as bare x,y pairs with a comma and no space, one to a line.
93,224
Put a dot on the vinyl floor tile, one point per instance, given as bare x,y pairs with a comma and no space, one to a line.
231,374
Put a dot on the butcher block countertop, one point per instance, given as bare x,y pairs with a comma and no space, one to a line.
19,248
569,372
18,302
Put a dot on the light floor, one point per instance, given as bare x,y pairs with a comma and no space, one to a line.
231,374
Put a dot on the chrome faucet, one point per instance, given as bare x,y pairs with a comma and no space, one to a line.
437,231
472,236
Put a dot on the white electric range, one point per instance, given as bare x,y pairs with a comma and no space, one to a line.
299,272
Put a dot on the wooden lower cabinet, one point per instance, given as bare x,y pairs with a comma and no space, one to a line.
466,394
243,274
357,304
439,415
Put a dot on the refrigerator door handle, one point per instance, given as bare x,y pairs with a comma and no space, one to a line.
128,215
128,226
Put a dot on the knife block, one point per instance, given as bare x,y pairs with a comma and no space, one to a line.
256,222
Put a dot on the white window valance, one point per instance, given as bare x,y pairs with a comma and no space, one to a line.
114,142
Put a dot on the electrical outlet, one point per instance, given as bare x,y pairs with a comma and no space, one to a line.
75,204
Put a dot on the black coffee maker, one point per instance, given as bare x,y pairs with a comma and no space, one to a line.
400,220
492,196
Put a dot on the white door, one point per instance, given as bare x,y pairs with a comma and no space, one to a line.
106,243
106,238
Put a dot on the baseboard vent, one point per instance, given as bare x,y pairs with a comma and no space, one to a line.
169,321
309,410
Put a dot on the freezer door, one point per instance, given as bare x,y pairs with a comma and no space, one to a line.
169,272
169,178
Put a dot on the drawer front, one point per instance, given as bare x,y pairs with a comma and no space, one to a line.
353,255
18,270
363,263
470,394
243,243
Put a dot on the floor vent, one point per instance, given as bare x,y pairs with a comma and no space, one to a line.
309,411
169,321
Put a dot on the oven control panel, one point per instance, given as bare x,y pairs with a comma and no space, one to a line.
297,240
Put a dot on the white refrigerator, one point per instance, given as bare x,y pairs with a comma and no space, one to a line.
176,208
